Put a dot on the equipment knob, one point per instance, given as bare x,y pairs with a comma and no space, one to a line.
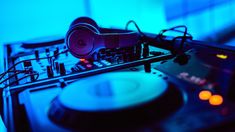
57,67
36,52
147,67
50,72
62,83
27,63
146,51
182,59
47,52
55,53
62,69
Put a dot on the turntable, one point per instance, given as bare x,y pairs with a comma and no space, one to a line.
102,79
114,101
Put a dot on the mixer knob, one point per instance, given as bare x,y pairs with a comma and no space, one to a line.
146,51
57,48
62,69
138,52
56,52
62,83
50,72
36,53
147,67
182,59
27,63
47,52
57,67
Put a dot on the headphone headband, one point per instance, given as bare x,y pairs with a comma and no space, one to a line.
114,38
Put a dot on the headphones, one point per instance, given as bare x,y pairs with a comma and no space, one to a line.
84,38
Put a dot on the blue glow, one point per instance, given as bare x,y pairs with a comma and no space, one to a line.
27,19
112,91
149,14
203,17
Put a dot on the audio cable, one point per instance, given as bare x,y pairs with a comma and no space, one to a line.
182,38
160,36
29,75
137,27
28,72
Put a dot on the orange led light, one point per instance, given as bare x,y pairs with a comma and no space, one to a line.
221,56
205,95
216,100
82,60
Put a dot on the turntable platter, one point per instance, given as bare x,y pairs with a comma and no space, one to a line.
112,97
112,91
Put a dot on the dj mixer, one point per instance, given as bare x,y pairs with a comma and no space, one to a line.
143,87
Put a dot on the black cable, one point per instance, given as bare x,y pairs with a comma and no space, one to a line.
4,73
182,41
12,71
163,31
183,38
175,29
19,72
137,27
22,79
22,71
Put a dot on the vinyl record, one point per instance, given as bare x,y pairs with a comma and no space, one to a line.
124,98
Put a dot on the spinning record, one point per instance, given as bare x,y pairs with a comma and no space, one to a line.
123,99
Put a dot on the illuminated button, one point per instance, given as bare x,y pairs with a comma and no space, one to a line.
86,61
97,64
221,56
105,62
216,100
205,95
82,60
81,67
89,66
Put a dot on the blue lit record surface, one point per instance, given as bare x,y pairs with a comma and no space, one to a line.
114,100
112,91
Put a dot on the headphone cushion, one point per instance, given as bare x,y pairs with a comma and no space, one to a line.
80,40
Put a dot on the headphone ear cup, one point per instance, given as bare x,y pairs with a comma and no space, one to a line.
81,37
80,41
85,21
